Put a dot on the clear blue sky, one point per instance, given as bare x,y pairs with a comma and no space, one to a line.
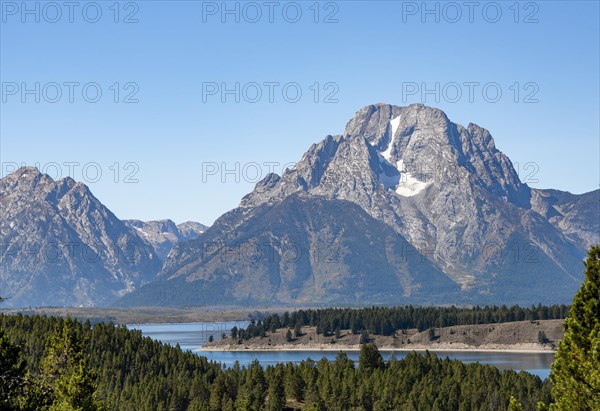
372,54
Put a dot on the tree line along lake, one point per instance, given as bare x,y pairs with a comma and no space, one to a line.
192,336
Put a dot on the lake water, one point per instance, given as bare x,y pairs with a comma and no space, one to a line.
191,336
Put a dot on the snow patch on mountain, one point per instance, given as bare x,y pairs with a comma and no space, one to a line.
409,185
394,123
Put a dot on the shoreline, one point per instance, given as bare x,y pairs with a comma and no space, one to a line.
524,348
140,315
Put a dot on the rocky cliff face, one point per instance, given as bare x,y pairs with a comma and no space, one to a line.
442,188
61,246
162,235
577,216
305,249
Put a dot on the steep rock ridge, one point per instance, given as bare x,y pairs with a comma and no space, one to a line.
190,230
304,249
61,246
444,189
578,216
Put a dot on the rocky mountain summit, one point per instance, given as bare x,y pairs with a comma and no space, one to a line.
403,207
61,246
403,184
162,235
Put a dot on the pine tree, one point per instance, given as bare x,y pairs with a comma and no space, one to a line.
370,358
298,330
514,405
314,402
65,369
364,337
252,394
431,334
276,394
244,399
295,384
12,373
216,394
576,369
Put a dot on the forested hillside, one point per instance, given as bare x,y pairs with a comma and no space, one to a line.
131,372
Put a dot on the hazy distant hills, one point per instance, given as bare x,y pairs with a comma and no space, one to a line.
404,206
401,184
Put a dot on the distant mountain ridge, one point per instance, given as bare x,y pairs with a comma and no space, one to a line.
61,246
162,235
442,188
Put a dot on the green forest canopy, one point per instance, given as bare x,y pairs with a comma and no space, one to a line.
137,373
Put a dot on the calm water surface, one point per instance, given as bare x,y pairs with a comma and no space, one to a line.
191,336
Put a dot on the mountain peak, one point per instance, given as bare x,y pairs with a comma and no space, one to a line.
61,245
401,185
25,174
421,140
27,170
32,177
413,168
